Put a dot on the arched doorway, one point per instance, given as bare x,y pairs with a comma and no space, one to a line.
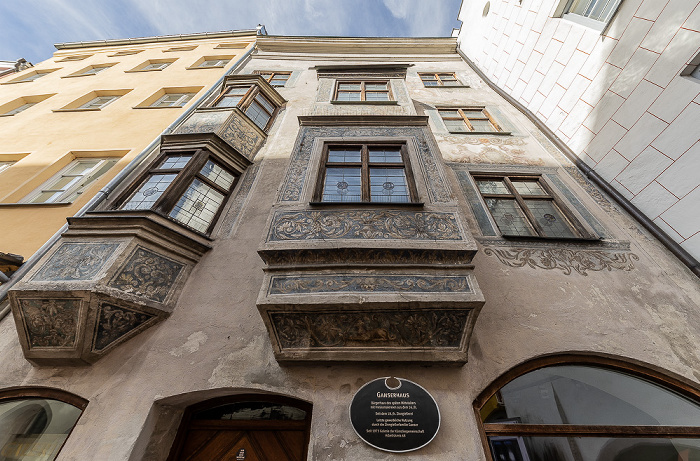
588,408
247,427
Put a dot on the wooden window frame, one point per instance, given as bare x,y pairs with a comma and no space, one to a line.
465,119
272,73
190,411
575,224
362,90
179,185
675,384
365,166
439,80
246,100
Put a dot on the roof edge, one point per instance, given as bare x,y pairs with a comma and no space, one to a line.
157,38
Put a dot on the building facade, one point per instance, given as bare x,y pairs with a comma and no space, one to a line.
336,211
617,81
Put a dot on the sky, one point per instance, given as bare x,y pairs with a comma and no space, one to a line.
30,28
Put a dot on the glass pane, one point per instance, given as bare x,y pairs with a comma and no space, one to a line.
175,162
229,101
149,192
19,109
92,177
349,86
345,96
576,394
80,167
593,449
254,411
388,185
278,81
481,125
473,113
344,155
46,197
35,429
427,77
265,103
450,113
450,82
376,86
217,175
553,222
239,90
445,77
376,96
509,217
528,188
492,186
32,77
430,83
342,185
257,114
456,126
198,206
385,155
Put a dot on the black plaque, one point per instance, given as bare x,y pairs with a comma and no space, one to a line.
397,418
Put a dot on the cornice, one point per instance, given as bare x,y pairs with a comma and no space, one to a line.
157,38
357,45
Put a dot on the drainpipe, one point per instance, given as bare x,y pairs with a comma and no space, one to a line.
673,246
104,193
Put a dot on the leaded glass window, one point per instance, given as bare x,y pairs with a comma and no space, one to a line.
525,206
366,173
259,109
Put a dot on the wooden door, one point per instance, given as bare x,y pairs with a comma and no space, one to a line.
235,429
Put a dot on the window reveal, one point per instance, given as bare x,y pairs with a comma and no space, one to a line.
525,206
365,173
363,91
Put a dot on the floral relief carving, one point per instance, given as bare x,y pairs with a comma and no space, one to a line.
437,328
51,322
147,274
242,136
366,224
113,322
367,283
563,259
76,261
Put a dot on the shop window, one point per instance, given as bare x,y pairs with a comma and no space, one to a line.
362,90
189,187
526,206
249,426
276,78
439,79
591,409
35,427
356,173
258,107
69,183
476,120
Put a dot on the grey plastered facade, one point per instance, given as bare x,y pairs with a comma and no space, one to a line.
277,270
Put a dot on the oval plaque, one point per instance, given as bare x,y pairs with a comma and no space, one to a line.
394,414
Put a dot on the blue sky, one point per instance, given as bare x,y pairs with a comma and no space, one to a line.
29,28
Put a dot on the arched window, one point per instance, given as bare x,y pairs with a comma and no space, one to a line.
35,422
257,427
582,408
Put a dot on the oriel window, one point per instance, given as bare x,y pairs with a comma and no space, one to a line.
259,109
378,173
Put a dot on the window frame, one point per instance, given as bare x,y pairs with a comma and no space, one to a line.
575,224
71,187
460,110
317,196
272,74
677,385
363,82
202,66
85,105
179,103
6,164
167,201
21,108
246,100
91,70
439,81
564,11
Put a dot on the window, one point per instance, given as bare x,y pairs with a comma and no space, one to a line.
469,120
592,13
21,108
173,100
71,181
32,77
125,53
363,91
75,58
213,63
99,102
5,165
250,100
377,173
275,79
179,48
155,66
589,411
525,206
92,70
189,187
439,79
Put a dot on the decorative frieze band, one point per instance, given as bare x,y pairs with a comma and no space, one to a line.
353,283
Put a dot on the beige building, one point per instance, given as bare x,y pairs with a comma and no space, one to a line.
337,211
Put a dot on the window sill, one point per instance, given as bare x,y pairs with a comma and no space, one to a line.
17,205
208,67
158,107
369,103
447,86
21,81
75,110
369,204
584,21
80,75
142,70
526,239
10,115
481,133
